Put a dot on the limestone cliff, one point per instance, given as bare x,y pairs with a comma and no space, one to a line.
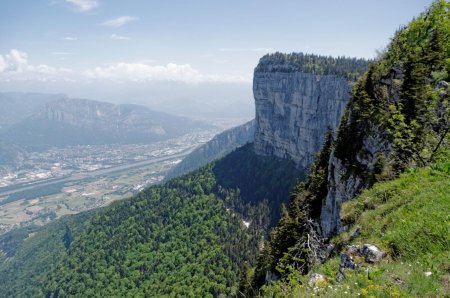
296,103
345,184
370,146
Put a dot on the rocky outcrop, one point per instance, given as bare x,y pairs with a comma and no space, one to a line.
344,185
344,182
384,131
298,98
295,109
369,252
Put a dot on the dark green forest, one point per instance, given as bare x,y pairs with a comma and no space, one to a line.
186,237
262,182
173,239
32,252
349,68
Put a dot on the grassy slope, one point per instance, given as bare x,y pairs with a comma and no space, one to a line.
408,218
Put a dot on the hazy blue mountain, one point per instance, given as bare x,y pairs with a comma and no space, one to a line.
66,121
10,154
16,106
217,147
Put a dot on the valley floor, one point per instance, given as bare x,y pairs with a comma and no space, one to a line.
56,182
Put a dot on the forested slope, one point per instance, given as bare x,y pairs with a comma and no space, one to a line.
176,239
398,119
188,237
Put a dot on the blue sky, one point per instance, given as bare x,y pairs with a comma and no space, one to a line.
43,42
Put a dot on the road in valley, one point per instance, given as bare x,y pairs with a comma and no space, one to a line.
5,191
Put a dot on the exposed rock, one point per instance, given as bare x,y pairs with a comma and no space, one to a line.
443,88
316,279
442,85
397,71
346,262
294,111
339,190
353,249
329,249
343,184
18,106
372,253
392,82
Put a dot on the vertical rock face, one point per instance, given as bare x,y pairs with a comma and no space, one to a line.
343,184
298,97
294,111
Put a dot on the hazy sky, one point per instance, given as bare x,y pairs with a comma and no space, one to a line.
66,45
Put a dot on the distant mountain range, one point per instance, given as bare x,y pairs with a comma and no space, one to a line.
40,120
17,106
217,147
369,219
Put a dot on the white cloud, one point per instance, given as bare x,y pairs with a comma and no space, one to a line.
142,72
2,64
139,72
70,38
15,66
83,5
15,60
120,21
119,37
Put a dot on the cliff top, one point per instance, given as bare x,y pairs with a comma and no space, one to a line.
350,68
